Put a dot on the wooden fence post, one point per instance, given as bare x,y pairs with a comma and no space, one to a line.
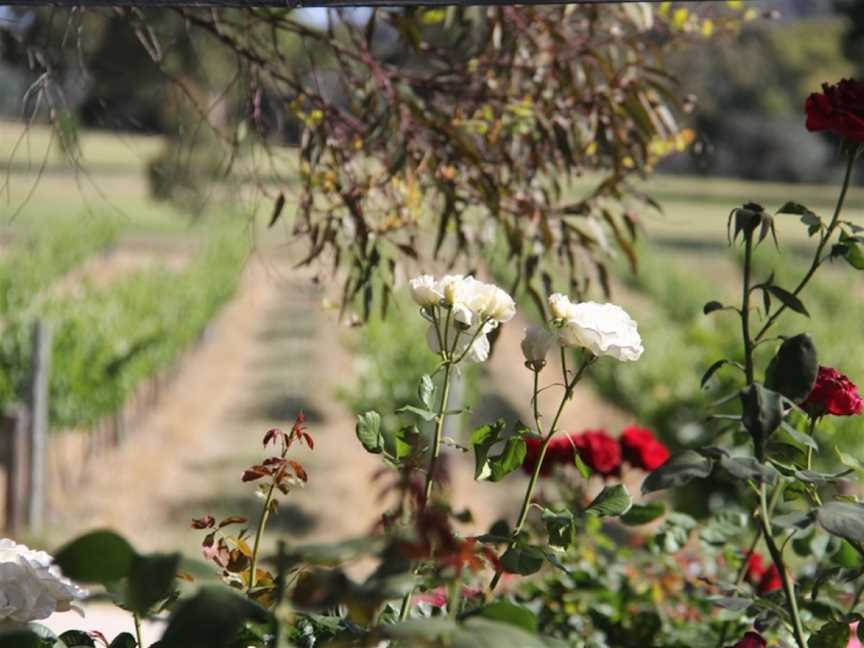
14,456
39,423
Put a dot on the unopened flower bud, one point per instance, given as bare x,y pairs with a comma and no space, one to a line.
535,345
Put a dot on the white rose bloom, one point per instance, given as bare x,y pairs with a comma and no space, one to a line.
457,290
31,586
536,344
425,290
603,329
490,301
560,306
479,350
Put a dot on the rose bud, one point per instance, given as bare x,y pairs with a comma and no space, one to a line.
535,345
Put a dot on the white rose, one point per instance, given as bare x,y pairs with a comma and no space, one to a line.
31,586
490,301
603,329
478,351
560,306
536,344
457,290
425,290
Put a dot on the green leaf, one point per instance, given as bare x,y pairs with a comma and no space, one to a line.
854,255
510,459
151,580
612,500
406,442
425,390
679,469
77,638
210,619
97,557
797,209
748,468
425,414
711,371
559,527
794,520
507,612
674,533
734,603
788,299
712,306
834,634
643,513
522,559
801,438
793,369
123,640
475,632
19,639
482,440
581,466
849,461
761,411
842,519
369,432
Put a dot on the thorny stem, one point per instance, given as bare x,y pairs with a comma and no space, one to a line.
447,356
439,428
764,509
817,260
259,532
137,620
777,557
745,313
742,570
535,475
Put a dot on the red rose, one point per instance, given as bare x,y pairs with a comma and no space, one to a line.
560,451
642,449
751,640
755,569
532,455
834,394
600,452
770,581
838,108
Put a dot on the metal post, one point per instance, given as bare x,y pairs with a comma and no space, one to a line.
39,423
13,454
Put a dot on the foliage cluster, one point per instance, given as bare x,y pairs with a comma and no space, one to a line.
108,339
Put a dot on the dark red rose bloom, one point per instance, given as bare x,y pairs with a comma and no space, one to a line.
833,394
532,456
600,452
751,640
755,569
641,448
838,108
560,451
770,581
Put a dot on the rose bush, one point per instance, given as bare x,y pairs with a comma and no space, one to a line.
774,556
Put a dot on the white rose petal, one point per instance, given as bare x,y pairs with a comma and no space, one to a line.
425,290
603,329
31,586
560,306
488,301
536,344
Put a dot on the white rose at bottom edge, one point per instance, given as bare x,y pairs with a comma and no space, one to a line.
31,586
479,350
603,329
